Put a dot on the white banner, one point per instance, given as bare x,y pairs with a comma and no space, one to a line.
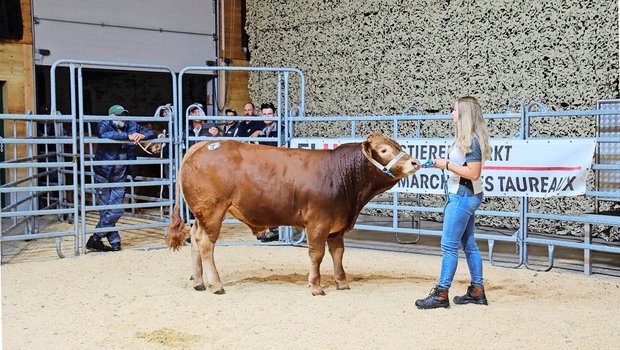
517,168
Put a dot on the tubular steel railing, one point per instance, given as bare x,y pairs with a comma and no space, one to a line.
34,187
28,199
87,141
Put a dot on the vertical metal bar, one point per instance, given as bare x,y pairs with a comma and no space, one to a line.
32,202
279,93
181,128
395,129
395,210
524,200
74,154
80,118
587,257
15,149
597,158
46,159
417,128
302,97
173,125
286,109
133,195
171,166
90,157
60,158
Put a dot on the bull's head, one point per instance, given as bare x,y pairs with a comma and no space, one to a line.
387,155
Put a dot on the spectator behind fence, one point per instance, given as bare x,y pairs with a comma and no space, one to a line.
465,162
165,112
118,130
250,128
231,127
269,130
270,127
199,127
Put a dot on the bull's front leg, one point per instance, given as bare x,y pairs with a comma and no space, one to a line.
336,249
316,250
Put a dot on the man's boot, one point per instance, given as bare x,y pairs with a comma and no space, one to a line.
436,299
95,243
475,294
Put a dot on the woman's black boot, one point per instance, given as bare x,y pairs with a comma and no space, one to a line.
436,299
475,294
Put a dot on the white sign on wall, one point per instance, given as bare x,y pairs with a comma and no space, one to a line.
176,33
517,168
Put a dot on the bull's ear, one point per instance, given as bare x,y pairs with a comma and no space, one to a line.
367,147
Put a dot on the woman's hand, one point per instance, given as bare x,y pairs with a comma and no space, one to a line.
440,163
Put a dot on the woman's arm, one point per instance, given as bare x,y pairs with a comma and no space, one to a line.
471,171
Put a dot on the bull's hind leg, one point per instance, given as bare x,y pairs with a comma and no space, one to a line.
196,261
336,249
205,237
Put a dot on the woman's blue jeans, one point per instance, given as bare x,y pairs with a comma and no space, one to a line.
458,230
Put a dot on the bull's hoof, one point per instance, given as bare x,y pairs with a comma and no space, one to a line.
320,292
342,285
191,278
219,291
200,287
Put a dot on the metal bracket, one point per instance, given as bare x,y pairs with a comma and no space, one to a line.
550,249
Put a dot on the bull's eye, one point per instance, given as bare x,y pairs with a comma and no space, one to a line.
384,151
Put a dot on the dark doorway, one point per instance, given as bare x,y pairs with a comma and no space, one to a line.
139,92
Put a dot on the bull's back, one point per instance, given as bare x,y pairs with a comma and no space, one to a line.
268,185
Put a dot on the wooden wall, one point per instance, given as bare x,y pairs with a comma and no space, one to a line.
16,64
237,92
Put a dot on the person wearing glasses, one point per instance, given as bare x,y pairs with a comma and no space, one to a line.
464,163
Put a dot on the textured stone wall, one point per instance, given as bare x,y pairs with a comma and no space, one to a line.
378,57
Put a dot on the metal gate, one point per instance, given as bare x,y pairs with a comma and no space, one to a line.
88,141
36,185
284,109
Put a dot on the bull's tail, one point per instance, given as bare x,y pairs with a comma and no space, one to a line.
176,229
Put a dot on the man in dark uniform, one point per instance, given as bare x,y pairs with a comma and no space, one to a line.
121,131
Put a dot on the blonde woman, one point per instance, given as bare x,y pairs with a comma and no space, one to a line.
464,164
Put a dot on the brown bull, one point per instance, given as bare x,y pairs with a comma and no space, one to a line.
322,191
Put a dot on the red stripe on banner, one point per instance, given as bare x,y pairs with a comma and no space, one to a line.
534,168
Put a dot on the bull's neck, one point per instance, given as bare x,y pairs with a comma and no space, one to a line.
361,180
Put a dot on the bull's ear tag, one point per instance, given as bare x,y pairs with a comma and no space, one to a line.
213,146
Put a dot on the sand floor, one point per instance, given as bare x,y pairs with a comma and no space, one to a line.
144,300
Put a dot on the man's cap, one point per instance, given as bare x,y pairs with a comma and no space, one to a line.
117,110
